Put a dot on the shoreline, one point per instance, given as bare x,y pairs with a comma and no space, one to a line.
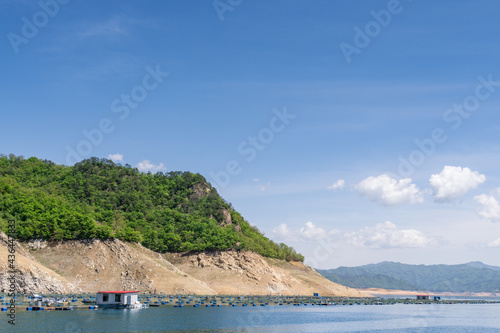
380,291
366,293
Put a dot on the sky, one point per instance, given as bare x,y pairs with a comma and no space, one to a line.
355,131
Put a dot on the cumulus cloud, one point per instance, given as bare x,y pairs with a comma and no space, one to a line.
282,231
338,185
116,157
489,208
381,236
389,191
387,235
453,182
308,232
495,243
147,166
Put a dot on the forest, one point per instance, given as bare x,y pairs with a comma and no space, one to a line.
97,198
468,277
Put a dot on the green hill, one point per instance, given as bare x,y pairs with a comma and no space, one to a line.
470,277
368,281
96,198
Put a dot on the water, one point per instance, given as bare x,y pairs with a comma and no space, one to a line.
452,298
411,318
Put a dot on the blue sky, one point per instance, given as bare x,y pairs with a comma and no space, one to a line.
274,102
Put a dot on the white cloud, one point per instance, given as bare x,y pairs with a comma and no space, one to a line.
389,191
495,243
380,236
387,235
489,208
453,182
282,231
116,157
308,232
146,166
113,26
338,185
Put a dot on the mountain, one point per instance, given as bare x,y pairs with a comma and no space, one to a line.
469,277
76,266
99,224
478,264
369,281
98,199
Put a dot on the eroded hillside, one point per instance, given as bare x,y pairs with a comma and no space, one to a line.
92,265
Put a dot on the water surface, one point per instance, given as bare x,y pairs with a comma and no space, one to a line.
424,318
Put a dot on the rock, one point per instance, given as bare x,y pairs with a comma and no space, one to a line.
93,265
37,244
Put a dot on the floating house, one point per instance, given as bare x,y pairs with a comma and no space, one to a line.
423,297
118,299
316,295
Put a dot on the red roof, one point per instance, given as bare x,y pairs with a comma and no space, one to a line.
117,292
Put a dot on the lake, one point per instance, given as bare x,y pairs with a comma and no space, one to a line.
421,318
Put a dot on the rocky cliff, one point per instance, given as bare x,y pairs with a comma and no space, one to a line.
92,265
28,274
247,273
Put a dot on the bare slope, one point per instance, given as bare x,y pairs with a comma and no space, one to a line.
112,264
29,275
248,273
92,265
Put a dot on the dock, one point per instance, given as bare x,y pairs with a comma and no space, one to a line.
181,301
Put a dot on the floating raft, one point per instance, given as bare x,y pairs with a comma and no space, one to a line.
60,308
243,301
218,301
49,308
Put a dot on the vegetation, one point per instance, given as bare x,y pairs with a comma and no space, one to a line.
96,198
368,281
470,277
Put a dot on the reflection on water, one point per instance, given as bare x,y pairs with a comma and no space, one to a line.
425,318
453,298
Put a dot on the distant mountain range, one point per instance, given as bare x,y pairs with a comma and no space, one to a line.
470,277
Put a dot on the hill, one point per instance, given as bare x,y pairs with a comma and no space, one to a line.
478,264
469,277
98,199
99,225
76,266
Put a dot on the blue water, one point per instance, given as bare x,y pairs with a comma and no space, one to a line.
466,298
424,318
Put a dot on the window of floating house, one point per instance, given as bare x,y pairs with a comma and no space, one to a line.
118,298
105,297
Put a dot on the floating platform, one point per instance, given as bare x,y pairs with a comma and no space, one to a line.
218,301
48,308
